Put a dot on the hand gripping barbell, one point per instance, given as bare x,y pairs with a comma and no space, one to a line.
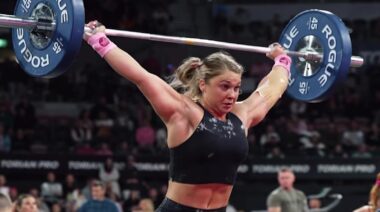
47,36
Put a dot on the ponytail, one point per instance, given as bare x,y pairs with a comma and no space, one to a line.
185,76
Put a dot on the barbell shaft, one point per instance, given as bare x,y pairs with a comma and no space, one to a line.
11,21
356,61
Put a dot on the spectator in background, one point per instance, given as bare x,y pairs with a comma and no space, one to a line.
270,138
5,141
98,201
154,196
220,20
338,152
86,190
56,207
132,200
145,205
123,149
69,187
6,116
42,206
373,136
51,190
145,133
20,141
25,116
102,116
109,174
26,203
353,136
161,18
315,203
239,22
85,118
361,151
104,150
5,203
286,198
80,133
4,188
13,193
76,201
275,153
145,137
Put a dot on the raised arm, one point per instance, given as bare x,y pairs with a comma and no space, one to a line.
269,90
164,99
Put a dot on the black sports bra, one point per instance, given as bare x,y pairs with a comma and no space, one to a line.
212,154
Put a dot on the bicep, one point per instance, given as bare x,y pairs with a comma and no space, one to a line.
253,109
162,97
268,92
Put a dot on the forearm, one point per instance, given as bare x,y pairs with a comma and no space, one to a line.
125,65
272,86
118,59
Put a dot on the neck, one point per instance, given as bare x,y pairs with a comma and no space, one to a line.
214,113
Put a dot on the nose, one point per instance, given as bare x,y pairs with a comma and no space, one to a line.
232,93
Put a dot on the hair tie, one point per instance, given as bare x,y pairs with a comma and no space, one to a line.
196,65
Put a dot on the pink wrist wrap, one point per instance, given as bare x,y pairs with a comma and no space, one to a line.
100,43
378,182
284,61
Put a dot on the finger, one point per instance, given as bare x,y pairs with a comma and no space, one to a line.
274,45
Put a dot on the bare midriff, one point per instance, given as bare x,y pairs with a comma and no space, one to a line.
201,196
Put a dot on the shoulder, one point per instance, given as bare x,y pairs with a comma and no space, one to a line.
86,204
275,192
110,202
299,192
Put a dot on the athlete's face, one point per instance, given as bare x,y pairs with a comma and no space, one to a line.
221,92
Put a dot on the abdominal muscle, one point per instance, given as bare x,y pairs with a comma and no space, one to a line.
201,196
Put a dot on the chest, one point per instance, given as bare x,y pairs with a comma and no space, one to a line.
214,138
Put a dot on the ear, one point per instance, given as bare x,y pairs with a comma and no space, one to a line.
202,85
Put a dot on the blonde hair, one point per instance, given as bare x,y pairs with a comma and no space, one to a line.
374,194
186,77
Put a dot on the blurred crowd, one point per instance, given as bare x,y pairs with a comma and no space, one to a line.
113,190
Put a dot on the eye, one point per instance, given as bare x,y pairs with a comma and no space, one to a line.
224,87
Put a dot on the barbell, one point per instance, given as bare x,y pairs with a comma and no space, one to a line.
47,35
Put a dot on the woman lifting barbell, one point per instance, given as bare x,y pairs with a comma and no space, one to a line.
207,128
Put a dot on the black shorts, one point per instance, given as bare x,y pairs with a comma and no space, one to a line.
169,205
